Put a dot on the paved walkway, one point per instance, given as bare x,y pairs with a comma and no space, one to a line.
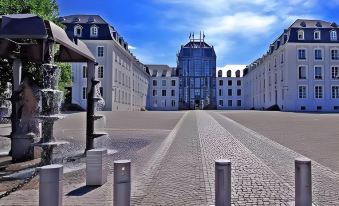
180,169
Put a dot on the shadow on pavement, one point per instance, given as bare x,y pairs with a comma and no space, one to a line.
82,190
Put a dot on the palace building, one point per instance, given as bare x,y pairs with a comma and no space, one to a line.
299,72
123,78
196,71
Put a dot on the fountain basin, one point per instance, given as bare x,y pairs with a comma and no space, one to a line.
50,118
52,143
97,134
96,117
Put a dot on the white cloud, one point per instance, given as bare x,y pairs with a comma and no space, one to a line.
244,23
226,21
130,47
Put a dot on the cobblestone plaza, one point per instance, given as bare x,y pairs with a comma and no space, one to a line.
173,157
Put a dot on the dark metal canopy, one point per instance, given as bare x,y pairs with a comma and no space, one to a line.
26,36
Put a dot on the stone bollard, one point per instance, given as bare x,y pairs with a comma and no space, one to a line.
96,167
222,182
50,186
303,182
122,183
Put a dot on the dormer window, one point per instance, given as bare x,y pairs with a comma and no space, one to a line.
78,31
229,73
237,73
219,73
94,31
303,24
333,35
76,19
301,35
316,35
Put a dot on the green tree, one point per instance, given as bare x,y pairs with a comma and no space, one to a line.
46,9
65,79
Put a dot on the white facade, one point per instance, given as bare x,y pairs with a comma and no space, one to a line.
295,75
123,79
163,91
229,86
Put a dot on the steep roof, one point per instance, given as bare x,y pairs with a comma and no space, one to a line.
197,44
83,19
306,23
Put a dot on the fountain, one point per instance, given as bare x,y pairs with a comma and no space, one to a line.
51,99
35,42
92,100
5,105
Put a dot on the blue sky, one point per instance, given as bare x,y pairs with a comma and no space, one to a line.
239,30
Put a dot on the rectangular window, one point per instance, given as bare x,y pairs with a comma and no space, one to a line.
229,92
335,72
302,108
333,35
239,82
230,103
239,103
229,82
173,92
317,35
221,103
335,92
100,51
302,54
101,89
302,90
84,93
173,83
163,93
318,54
238,92
334,54
220,92
84,71
221,82
173,103
101,71
318,73
302,70
154,92
318,92
155,82
163,82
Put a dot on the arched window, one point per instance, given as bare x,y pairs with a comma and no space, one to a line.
301,35
219,73
94,31
229,73
78,31
333,35
237,73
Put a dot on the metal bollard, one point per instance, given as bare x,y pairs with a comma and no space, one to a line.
50,186
96,167
222,182
303,182
122,183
